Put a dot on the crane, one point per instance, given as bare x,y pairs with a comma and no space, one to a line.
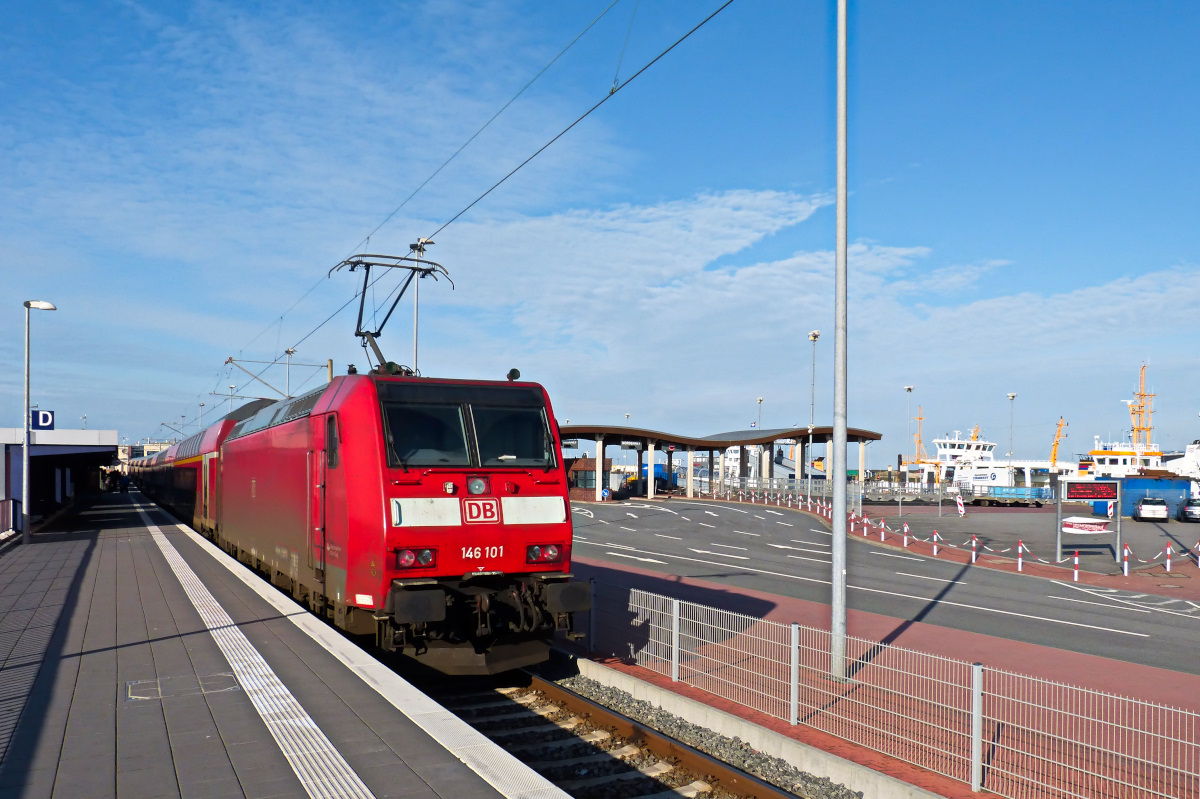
1141,413
1058,436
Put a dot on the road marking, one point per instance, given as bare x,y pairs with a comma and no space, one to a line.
935,579
312,756
677,538
822,532
1097,604
686,519
799,549
890,555
710,513
718,554
656,507
583,512
786,524
710,526
814,560
630,529
725,546
1098,593
811,543
767,572
634,515
579,537
635,557
764,518
743,532
777,513
1001,612
602,521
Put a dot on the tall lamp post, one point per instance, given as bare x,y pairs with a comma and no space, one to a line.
38,305
758,426
813,335
909,390
1011,415
231,387
200,421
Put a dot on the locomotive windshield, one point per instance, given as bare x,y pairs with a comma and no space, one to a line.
452,425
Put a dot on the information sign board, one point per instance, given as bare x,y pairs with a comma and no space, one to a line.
1099,489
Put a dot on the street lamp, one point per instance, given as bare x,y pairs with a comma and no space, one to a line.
909,390
231,387
813,335
200,421
38,305
1011,410
758,426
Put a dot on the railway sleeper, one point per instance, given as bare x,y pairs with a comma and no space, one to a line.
629,750
566,724
689,791
652,771
593,737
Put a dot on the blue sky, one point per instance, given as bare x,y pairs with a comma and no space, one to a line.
1023,202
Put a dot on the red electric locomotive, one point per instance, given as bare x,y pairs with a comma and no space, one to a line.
431,513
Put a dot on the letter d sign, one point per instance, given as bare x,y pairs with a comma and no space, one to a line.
41,420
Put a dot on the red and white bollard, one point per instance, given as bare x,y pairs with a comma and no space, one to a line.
1077,565
935,543
972,549
906,535
882,528
1168,557
1020,560
1125,566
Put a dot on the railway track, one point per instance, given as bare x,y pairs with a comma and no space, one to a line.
590,751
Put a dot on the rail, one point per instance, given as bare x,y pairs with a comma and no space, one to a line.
1011,734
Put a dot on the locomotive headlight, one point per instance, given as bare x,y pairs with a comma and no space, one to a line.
415,558
448,487
542,553
478,485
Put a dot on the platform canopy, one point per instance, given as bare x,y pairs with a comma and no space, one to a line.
716,441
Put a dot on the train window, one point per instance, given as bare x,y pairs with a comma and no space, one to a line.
512,436
420,434
331,441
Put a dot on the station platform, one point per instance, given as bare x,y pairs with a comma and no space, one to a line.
139,660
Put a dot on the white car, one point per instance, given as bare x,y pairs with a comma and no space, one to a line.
1151,508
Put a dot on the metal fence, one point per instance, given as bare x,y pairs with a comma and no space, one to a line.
1010,734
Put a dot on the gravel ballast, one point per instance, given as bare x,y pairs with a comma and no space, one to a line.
730,750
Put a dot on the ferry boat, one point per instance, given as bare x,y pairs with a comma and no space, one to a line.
1134,456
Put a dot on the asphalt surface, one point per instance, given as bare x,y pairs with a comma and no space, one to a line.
785,553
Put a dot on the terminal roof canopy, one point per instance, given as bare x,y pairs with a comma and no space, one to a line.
717,441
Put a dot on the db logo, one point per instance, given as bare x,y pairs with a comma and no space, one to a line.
481,511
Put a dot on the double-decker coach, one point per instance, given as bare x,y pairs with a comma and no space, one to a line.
431,513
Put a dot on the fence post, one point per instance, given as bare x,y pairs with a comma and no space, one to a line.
674,640
794,702
592,615
976,726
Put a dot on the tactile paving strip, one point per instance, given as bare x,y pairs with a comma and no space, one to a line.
322,770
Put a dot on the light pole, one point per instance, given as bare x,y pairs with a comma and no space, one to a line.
908,416
39,305
182,426
231,387
813,335
200,421
1011,411
758,426
84,418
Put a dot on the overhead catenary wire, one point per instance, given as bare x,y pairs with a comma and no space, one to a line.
580,118
366,239
477,200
